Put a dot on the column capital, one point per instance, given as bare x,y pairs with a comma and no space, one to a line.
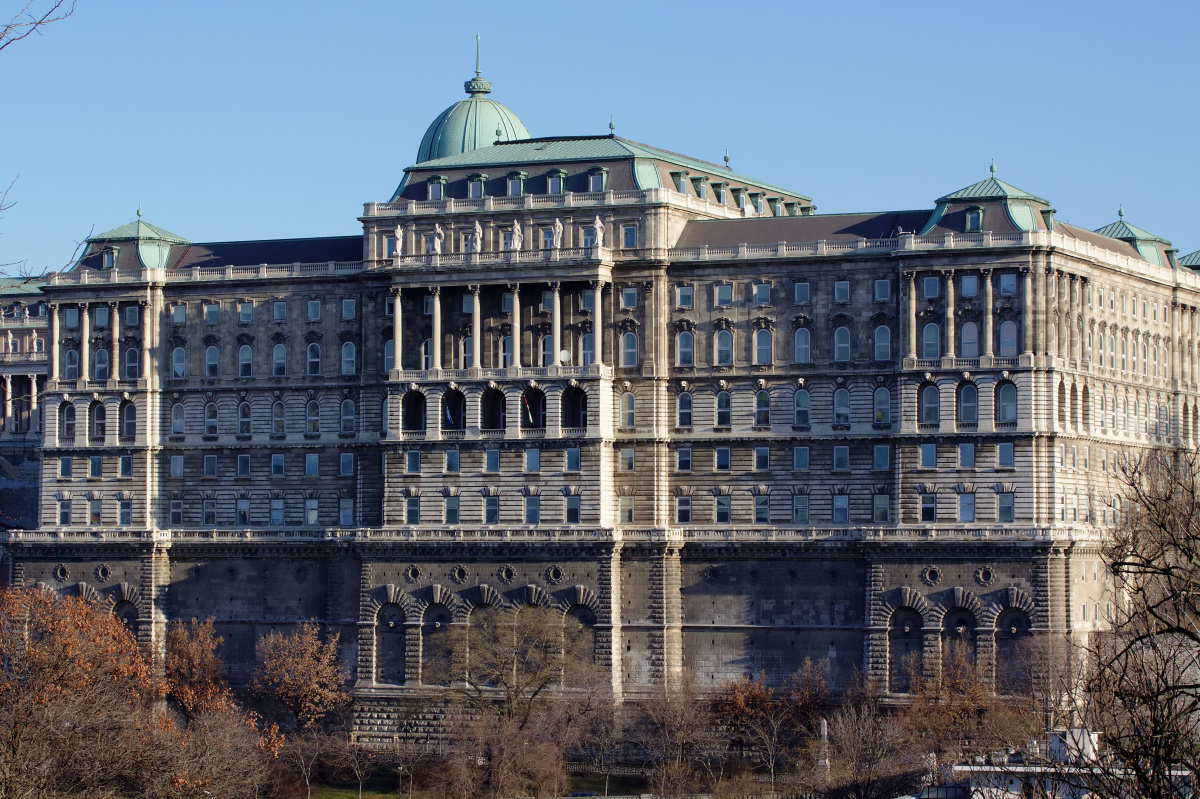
597,285
514,287
435,290
142,303
395,290
910,275
111,303
555,285
473,288
987,271
53,306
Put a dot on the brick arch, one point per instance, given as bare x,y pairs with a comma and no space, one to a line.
1011,598
123,592
87,593
535,596
579,596
902,598
485,595
957,597
390,594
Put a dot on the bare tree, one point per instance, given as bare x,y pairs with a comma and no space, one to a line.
677,732
32,17
870,753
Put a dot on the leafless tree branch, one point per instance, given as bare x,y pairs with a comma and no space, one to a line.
31,19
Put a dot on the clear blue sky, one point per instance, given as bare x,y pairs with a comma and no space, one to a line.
263,119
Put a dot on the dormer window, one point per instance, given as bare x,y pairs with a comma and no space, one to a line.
555,180
475,185
756,201
974,219
701,187
777,206
437,187
739,198
680,180
516,183
108,259
720,192
597,179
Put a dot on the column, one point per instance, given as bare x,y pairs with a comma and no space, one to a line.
52,340
1026,312
986,276
1064,311
114,365
1176,344
33,404
949,314
8,420
476,329
556,323
397,332
515,288
85,332
147,336
436,348
598,326
1085,354
911,278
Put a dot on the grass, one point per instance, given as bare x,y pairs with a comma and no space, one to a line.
384,786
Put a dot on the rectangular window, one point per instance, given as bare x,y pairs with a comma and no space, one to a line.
1008,284
841,459
451,510
879,508
1004,507
684,296
346,512
883,290
928,456
629,236
212,313
629,297
210,465
277,465
587,301
800,509
881,458
571,460
412,461
722,512
491,460
970,285
683,510
131,316
801,293
95,466
533,460
243,466
468,303
966,507
762,509
491,510
279,310
178,314
724,295
533,510
929,287
929,507
625,459
625,510
762,293
841,291
452,461
596,181
310,512
209,511
966,456
64,511
841,509
126,466
722,459
347,309
547,239
573,510
312,464
683,459
101,315
314,310
762,459
506,302
346,464
412,510
71,317
245,311
177,466
276,512
176,518
554,185
125,512
800,459
243,512
1004,455
66,466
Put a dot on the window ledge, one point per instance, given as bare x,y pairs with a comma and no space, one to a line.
802,427
840,426
243,437
209,438
722,429
312,436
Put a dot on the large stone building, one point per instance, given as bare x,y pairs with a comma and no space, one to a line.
674,401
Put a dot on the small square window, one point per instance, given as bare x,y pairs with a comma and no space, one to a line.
126,466
66,466
452,461
629,237
882,458
800,459
1008,285
966,456
347,309
970,285
722,514
491,460
572,510
883,290
722,459
412,461
683,459
841,509
277,465
177,466
533,460
625,510
245,311
1005,503
176,518
243,466
101,315
71,317
346,464
311,511
841,458
312,464
928,456
841,291
212,313
683,296
929,507
762,459
762,293
1004,455
314,310
95,466
966,507
571,460
131,316
279,310
177,315
762,509
724,295
929,287
629,297
800,509
625,459
879,508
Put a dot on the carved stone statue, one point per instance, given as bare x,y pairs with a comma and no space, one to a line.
598,226
477,237
558,233
518,237
438,236
399,241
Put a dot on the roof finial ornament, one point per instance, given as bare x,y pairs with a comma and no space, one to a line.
612,127
1121,210
727,158
499,133
477,73
139,210
993,169
477,86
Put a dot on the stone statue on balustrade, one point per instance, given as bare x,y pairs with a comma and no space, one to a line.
438,236
477,237
598,227
399,234
558,234
518,236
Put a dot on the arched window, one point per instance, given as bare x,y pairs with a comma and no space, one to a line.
801,415
101,371
968,404
883,343
312,417
177,419
491,410
628,410
841,345
1112,352
1008,339
724,409
128,414
71,365
389,355
629,349
314,359
1006,403
970,340
802,346
882,405
427,354
412,410
905,642
685,349
279,361
245,361
931,404
762,408
212,362
99,420
841,406
349,365
533,409
1154,360
683,410
762,347
931,341
131,364
66,430
587,349
1124,362
505,352
724,348
210,419
278,415
244,419
347,416
547,350
454,410
573,407
389,645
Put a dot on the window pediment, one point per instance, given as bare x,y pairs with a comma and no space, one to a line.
211,340
722,323
684,324
313,336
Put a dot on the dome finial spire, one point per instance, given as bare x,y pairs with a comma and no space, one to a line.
477,86
477,73
1121,210
612,126
993,168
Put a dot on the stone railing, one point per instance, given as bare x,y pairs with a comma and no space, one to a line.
513,373
23,357
97,276
24,321
599,255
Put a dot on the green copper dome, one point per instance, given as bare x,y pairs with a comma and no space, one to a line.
470,124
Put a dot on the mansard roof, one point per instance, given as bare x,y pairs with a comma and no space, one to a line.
136,230
827,227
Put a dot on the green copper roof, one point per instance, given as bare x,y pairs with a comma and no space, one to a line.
584,148
132,231
1127,232
1192,259
10,286
470,124
991,189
